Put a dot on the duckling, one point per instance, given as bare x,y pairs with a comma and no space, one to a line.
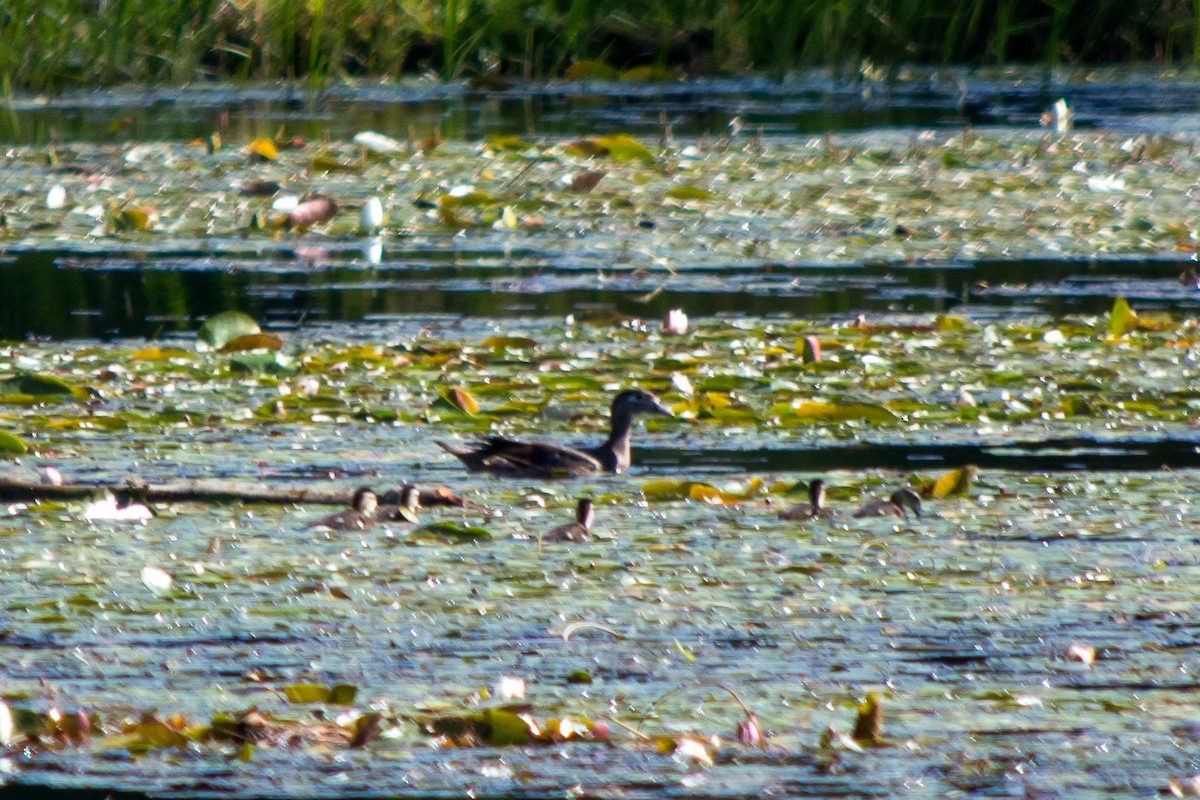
578,531
359,517
814,508
403,511
898,505
513,458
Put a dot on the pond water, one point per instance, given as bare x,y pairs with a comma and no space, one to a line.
1035,637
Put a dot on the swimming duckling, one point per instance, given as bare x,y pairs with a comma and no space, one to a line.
359,517
403,511
898,505
578,531
512,458
814,508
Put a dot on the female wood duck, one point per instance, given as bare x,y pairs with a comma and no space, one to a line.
813,509
898,505
578,531
512,458
404,509
359,517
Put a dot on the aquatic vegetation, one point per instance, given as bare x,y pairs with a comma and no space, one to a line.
1034,604
316,42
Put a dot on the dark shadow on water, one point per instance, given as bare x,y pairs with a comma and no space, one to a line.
1081,453
64,295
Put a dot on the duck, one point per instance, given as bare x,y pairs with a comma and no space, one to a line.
898,505
502,456
359,517
578,531
814,508
404,509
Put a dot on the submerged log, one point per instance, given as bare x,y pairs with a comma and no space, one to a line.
206,490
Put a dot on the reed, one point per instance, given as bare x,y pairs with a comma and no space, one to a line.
53,44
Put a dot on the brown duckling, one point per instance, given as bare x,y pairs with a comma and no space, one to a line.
898,505
578,531
359,517
814,508
404,509
513,458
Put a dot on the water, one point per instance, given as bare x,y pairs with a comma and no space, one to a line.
963,621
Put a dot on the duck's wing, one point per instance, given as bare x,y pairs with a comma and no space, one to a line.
394,512
798,511
878,508
349,520
571,532
504,456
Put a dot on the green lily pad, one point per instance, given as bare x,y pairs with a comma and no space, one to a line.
221,329
271,363
11,445
36,385
453,531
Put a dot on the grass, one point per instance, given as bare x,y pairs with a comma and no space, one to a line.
46,45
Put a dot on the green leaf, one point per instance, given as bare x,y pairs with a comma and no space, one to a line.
580,676
955,483
649,73
814,411
36,385
11,445
452,530
456,399
689,193
590,71
509,343
1122,319
342,694
622,147
503,728
220,329
300,693
513,144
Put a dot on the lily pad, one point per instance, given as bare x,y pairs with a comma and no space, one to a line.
815,411
221,329
36,385
453,531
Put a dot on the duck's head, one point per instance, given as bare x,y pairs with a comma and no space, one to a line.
364,501
410,497
908,500
638,401
816,494
585,513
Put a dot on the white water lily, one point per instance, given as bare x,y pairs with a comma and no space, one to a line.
285,202
509,687
1062,116
56,198
377,142
157,579
373,251
676,322
107,508
7,728
1105,183
372,215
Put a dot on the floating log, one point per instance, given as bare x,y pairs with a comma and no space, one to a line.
207,490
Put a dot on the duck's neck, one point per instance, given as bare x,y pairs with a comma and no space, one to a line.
618,437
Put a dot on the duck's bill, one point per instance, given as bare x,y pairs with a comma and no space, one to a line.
659,408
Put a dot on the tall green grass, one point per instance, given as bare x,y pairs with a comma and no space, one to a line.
47,45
